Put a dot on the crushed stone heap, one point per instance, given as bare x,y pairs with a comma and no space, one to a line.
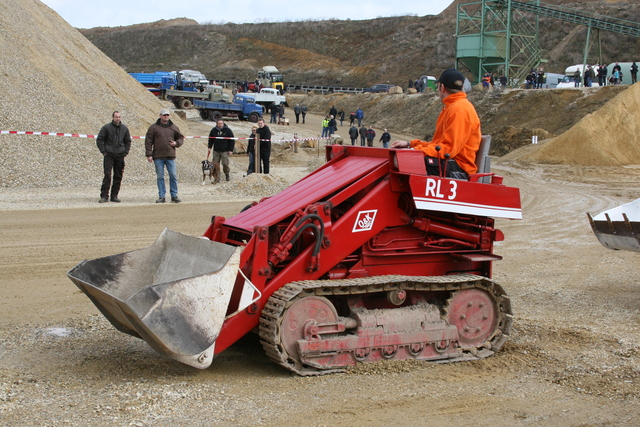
606,137
55,80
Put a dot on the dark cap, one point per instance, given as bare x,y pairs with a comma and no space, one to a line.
451,78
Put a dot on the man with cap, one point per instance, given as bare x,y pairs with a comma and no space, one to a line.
457,131
160,143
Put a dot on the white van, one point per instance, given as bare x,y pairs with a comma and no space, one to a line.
552,80
569,80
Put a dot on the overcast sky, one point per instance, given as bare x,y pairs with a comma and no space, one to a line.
113,13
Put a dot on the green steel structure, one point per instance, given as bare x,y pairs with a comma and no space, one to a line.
501,36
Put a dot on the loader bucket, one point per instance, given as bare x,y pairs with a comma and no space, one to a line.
618,228
173,294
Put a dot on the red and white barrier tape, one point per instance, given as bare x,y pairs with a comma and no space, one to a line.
81,135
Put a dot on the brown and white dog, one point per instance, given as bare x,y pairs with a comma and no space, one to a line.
207,167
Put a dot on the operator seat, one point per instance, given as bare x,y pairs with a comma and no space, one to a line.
483,161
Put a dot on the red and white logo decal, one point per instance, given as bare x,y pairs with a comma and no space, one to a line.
364,220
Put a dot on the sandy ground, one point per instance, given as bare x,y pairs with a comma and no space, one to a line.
572,359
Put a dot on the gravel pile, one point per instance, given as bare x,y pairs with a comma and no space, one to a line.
66,85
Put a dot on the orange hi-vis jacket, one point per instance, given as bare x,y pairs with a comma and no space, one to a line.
457,133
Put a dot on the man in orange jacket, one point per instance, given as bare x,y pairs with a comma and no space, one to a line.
457,131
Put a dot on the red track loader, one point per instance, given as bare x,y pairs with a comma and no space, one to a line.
365,259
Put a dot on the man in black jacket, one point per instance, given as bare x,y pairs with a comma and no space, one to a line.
222,141
263,140
114,142
353,134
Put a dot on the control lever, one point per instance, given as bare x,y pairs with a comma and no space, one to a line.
446,160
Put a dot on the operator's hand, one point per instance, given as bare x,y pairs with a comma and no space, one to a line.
401,144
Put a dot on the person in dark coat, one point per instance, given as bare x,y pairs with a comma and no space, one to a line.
385,138
114,142
353,134
221,143
370,134
363,133
251,150
264,136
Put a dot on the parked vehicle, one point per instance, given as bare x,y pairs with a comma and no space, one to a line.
188,80
270,77
378,88
569,81
243,107
429,81
268,96
152,81
184,98
552,80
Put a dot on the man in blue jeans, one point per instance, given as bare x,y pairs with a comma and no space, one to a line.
161,141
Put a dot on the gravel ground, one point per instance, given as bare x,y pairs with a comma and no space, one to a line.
572,359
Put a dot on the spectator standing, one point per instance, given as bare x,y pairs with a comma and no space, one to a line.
297,110
281,113
359,116
273,109
341,116
410,84
221,143
503,81
385,138
370,135
160,143
576,78
303,110
263,134
333,112
333,125
634,72
363,134
114,142
540,79
251,150
588,77
352,118
353,134
602,74
325,127
617,73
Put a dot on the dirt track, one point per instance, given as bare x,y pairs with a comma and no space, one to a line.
572,359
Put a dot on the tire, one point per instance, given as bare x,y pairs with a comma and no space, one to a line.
204,114
215,116
254,117
176,102
186,103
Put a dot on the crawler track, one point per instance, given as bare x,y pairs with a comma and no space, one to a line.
271,316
